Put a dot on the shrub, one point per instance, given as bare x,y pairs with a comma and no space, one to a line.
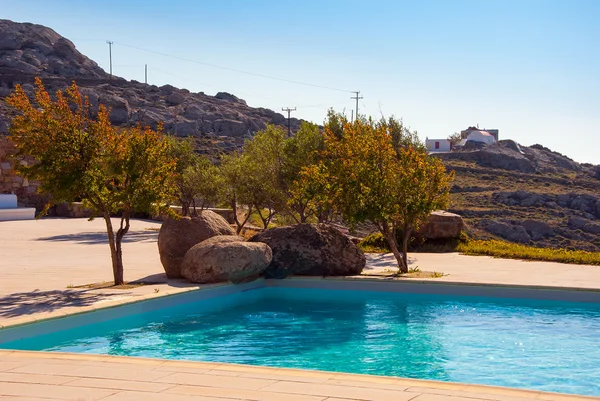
502,249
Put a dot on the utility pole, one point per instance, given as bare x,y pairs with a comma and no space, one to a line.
356,97
289,110
110,43
146,74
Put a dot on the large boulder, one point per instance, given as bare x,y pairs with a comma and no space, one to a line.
225,258
177,236
442,224
312,250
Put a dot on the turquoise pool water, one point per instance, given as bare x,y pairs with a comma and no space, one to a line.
542,345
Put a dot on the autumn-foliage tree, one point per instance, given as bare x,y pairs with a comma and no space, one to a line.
373,174
80,155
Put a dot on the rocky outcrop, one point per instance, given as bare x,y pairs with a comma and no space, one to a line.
509,155
589,205
442,224
225,258
177,236
37,50
537,229
220,123
510,232
583,225
496,156
312,250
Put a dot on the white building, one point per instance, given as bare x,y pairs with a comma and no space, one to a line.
479,136
438,145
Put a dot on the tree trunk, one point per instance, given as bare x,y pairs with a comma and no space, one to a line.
238,223
115,251
406,233
185,207
392,241
264,220
118,240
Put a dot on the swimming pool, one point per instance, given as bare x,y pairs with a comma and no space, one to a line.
535,344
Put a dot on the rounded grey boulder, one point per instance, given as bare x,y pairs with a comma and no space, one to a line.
176,237
225,258
311,250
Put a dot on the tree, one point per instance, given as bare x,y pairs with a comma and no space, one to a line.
371,178
264,162
182,151
197,178
237,186
79,156
202,181
300,151
455,138
401,136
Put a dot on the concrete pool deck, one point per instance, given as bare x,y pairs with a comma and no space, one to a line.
42,375
44,261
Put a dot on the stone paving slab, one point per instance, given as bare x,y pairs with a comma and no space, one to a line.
63,376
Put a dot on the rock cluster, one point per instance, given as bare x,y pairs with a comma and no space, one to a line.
518,231
205,250
589,205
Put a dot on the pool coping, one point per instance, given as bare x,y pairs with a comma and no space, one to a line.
59,313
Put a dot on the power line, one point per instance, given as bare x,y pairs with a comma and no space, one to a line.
357,97
289,110
235,69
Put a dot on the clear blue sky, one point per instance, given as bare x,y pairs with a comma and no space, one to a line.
530,68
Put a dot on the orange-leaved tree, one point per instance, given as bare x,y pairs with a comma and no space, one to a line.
80,155
373,178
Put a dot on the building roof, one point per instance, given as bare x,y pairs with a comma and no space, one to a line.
484,133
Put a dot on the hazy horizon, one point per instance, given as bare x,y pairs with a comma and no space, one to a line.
528,68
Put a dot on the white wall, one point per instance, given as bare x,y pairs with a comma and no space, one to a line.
444,145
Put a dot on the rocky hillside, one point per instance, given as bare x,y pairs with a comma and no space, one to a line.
219,122
529,195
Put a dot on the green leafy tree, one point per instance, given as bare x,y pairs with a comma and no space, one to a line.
369,176
182,151
402,137
79,156
303,191
203,182
236,187
455,138
264,161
